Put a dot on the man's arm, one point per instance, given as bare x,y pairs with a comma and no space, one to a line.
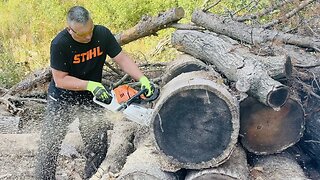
128,65
65,81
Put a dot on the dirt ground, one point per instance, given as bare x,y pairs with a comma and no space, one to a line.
20,165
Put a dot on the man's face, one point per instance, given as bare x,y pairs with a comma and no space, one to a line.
81,32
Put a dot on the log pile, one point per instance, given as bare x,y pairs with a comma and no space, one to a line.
235,100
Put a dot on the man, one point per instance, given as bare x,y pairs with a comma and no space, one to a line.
77,55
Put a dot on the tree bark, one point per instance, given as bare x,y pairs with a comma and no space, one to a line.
142,164
244,69
182,64
235,168
195,122
275,167
266,131
250,34
150,25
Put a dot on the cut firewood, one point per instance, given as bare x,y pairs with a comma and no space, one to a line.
264,130
248,34
195,124
235,168
275,167
245,69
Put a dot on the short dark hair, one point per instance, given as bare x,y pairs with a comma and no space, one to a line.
78,14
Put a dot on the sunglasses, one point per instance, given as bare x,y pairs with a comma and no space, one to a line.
82,34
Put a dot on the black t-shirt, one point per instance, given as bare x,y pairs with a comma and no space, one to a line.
82,60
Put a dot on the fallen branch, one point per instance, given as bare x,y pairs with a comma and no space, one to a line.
248,34
264,12
150,25
288,15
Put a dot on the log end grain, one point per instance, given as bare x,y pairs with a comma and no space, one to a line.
266,131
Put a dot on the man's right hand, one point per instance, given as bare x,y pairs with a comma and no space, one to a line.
99,91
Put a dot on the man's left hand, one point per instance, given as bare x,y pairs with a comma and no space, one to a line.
145,84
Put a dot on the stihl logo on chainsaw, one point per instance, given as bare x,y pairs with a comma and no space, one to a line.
124,92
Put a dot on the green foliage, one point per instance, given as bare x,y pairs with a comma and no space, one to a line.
27,28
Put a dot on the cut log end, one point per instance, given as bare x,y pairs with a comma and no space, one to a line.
278,97
266,131
196,122
202,125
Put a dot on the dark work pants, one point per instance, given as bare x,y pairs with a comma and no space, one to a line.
93,130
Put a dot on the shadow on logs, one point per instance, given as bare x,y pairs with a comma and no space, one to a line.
264,130
196,122
235,168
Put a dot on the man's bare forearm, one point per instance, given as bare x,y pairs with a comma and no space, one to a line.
71,83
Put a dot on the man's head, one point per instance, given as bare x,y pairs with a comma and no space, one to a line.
80,24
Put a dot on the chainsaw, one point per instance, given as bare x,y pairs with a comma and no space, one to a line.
128,101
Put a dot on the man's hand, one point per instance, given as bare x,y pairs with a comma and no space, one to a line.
98,90
145,84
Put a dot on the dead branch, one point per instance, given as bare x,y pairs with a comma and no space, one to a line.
248,34
150,25
186,26
288,15
264,12
206,5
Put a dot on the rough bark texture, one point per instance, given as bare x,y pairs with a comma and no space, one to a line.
235,168
150,25
196,122
142,164
249,34
246,70
182,64
266,131
275,167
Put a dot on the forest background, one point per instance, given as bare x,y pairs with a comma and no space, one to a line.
27,28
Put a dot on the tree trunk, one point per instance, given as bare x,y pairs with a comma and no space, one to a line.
275,167
142,164
266,131
249,34
183,64
235,168
196,122
246,70
150,25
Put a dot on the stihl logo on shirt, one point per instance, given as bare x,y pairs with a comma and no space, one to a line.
92,53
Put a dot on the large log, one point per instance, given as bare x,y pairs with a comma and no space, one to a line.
182,64
276,167
150,25
195,123
142,164
235,168
249,73
250,34
266,131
